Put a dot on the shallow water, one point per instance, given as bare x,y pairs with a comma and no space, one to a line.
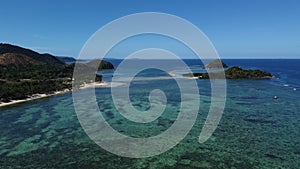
255,131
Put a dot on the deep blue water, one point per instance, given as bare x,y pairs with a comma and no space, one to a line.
287,70
255,131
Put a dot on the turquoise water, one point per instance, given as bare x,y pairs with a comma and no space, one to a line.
255,131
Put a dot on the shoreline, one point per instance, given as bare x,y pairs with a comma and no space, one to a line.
40,96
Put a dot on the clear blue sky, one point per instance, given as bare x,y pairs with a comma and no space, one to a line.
240,28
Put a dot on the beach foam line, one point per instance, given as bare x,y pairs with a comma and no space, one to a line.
102,84
34,97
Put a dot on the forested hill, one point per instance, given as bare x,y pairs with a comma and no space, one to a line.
17,53
66,59
24,72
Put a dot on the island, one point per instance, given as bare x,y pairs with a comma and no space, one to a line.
216,64
26,74
234,72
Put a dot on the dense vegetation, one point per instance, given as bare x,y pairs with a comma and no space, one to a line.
239,73
66,59
24,89
24,73
20,83
234,72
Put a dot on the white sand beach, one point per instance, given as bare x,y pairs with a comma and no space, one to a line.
33,97
39,96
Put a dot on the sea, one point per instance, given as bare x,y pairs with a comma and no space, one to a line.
255,131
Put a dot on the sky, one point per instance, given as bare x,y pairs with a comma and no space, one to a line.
237,28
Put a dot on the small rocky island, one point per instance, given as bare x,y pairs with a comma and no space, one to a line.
234,72
216,64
